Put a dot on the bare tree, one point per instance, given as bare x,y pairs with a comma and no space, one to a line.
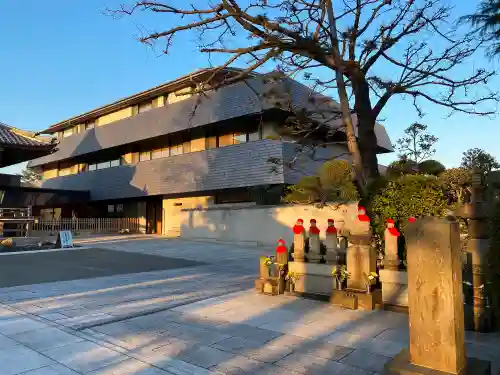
417,145
385,48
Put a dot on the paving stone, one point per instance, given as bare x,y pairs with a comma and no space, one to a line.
85,356
205,356
17,359
56,369
239,365
247,332
308,364
18,325
129,367
5,342
346,339
325,350
45,339
383,347
253,349
53,316
368,361
391,334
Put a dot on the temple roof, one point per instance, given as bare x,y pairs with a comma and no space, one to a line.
18,145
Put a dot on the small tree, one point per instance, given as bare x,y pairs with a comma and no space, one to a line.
432,167
476,158
417,145
31,176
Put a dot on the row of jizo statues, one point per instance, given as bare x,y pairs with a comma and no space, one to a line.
351,255
435,304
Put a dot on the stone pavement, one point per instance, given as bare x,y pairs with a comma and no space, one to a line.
61,328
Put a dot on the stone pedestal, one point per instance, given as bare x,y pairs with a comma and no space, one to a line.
361,260
401,365
349,297
394,287
435,301
314,278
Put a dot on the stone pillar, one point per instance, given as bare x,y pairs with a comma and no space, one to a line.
314,255
299,241
391,235
435,301
361,257
478,312
331,243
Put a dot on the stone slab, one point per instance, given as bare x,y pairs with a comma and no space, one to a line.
34,268
354,299
401,365
19,359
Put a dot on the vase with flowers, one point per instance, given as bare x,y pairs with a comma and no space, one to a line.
370,279
291,278
341,274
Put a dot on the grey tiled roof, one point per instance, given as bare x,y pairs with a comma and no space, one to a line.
221,168
9,136
233,101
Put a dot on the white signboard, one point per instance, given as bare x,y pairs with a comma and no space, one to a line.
65,239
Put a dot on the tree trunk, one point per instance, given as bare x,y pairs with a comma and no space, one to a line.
367,139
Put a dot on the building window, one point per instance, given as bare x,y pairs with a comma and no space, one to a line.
254,136
211,142
90,125
157,154
68,132
239,137
144,107
119,207
225,140
186,147
176,149
145,156
103,165
111,208
92,167
114,163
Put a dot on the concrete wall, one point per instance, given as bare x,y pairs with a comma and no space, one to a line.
260,225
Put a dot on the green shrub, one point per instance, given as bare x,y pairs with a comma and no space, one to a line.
404,197
431,167
333,183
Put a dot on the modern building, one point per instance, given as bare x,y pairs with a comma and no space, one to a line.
169,148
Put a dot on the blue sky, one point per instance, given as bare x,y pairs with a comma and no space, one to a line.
59,60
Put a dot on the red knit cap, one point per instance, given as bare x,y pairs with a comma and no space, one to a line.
390,221
300,221
330,221
312,221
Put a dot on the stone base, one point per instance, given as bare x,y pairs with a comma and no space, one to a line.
260,286
345,299
394,287
401,365
314,278
364,301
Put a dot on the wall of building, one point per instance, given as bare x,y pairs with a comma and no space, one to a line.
172,209
259,225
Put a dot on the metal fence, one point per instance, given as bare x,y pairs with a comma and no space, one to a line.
87,225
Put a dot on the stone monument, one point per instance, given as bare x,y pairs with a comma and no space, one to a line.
331,243
478,312
435,301
299,241
281,252
361,257
314,254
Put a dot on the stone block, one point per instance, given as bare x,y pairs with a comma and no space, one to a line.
345,299
361,259
370,301
271,288
259,284
394,287
401,365
435,295
314,278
